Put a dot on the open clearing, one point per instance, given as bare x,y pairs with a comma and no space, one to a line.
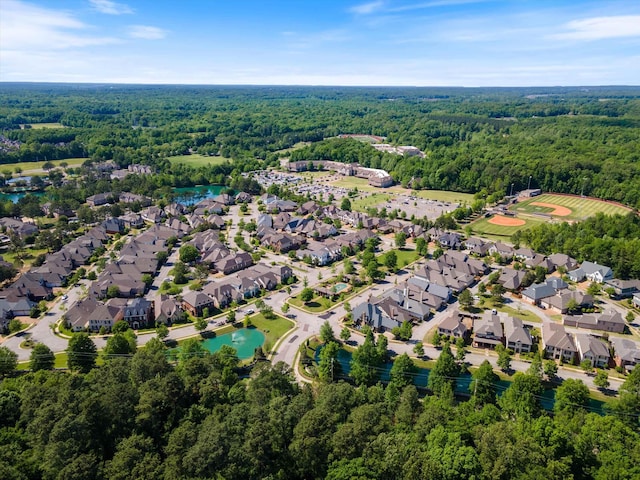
579,207
443,196
197,160
35,167
373,200
39,126
362,184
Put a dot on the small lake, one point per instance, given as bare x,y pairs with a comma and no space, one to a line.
244,340
15,197
192,195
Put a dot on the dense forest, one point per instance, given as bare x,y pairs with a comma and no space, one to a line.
569,140
141,417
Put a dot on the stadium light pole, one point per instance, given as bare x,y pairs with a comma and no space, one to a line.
511,194
529,184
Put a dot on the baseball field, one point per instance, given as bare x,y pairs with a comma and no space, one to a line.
548,207
567,207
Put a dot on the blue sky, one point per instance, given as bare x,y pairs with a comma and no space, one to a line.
322,42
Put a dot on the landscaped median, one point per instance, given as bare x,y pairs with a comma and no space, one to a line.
325,296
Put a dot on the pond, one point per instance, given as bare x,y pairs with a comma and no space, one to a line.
463,382
16,196
244,340
192,195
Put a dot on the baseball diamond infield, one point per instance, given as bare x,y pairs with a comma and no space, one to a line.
557,210
506,221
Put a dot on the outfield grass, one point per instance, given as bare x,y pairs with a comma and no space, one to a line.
483,227
197,160
30,167
272,329
373,200
581,208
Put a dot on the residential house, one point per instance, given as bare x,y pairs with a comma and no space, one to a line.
561,260
373,315
517,337
561,302
524,254
167,309
243,197
511,279
77,317
132,220
593,350
100,199
487,331
233,263
224,199
139,313
537,292
18,227
502,249
104,316
592,272
450,240
623,288
452,326
627,353
128,197
636,300
477,246
152,214
113,225
610,321
558,344
195,302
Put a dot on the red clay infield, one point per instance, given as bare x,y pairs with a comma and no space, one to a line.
506,221
557,209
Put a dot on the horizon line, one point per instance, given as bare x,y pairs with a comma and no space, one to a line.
300,85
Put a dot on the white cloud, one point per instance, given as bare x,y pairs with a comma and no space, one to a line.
433,4
367,8
110,8
599,28
147,32
26,28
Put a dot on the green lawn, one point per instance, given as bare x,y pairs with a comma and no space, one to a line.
404,257
37,166
40,126
581,208
373,200
197,160
444,196
316,305
273,329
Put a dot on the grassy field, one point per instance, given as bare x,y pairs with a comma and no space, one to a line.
33,167
296,146
483,227
197,160
273,329
373,200
443,196
581,208
40,126
403,257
